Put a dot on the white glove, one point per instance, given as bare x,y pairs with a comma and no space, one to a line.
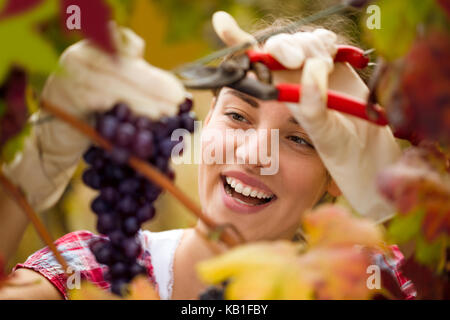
90,80
353,150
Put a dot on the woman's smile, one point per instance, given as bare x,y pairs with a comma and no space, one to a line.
244,194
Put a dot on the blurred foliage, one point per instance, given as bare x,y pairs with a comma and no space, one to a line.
35,54
332,265
140,289
407,18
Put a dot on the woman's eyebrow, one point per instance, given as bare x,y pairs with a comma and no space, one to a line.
294,121
245,97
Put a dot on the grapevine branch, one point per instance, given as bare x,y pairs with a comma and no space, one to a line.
20,199
149,171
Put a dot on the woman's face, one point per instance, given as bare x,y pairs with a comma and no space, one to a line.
259,206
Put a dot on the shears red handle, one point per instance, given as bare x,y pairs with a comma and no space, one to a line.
288,92
353,55
356,57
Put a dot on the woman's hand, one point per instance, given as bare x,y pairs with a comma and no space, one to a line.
89,80
353,150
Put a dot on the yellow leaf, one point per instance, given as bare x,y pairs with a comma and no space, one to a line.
243,258
333,225
141,289
89,291
337,272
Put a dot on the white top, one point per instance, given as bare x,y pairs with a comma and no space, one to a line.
162,246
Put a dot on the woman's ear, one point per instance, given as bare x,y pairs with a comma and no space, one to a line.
333,188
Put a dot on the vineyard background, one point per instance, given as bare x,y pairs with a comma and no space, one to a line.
411,80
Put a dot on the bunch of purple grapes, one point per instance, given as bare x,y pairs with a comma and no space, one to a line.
126,198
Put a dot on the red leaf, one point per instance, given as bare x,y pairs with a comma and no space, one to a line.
16,113
95,15
445,4
436,222
13,7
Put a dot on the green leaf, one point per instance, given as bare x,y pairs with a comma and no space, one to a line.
14,145
405,227
121,10
25,46
400,21
430,253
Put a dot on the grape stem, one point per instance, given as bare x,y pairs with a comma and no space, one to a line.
150,172
20,199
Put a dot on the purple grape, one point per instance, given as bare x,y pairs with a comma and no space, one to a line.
98,163
166,146
107,126
106,222
145,213
185,106
172,123
127,205
151,192
125,134
160,129
187,122
116,237
119,155
92,154
109,194
162,163
143,123
114,172
129,186
131,248
136,269
92,179
104,254
96,245
118,269
119,286
143,144
121,111
131,225
100,206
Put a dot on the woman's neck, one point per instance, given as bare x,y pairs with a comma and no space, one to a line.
193,248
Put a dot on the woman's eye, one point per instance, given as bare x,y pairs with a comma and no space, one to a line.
300,141
236,116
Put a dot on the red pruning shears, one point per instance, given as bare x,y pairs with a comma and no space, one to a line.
232,73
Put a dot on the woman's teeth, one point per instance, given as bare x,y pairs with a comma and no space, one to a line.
245,190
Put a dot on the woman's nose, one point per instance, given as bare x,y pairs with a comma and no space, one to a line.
253,147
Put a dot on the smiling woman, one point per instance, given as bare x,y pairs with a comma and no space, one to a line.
260,206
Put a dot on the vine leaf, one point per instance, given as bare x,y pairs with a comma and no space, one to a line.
25,46
418,185
401,17
94,18
14,97
139,289
333,266
13,7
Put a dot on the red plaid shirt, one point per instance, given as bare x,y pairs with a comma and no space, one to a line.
74,247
